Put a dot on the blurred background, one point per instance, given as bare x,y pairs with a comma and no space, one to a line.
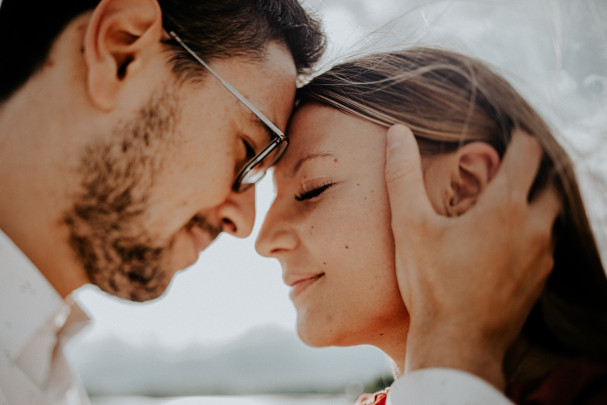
226,325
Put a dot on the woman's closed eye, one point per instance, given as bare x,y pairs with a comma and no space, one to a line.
315,191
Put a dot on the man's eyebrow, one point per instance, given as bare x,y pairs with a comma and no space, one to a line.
310,156
259,123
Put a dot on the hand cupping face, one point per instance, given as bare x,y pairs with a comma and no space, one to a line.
474,294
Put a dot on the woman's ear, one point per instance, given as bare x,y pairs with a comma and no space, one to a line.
475,164
115,40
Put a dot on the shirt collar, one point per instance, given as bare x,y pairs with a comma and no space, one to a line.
33,315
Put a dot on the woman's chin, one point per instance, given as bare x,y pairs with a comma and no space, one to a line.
323,337
314,336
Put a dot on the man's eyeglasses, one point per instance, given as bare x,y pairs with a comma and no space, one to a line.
256,167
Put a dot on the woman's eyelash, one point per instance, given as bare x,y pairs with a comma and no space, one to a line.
315,192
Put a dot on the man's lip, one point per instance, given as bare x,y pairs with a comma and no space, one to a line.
200,239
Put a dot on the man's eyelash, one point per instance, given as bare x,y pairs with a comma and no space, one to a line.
250,151
315,192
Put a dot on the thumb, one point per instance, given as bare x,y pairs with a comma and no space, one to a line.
404,178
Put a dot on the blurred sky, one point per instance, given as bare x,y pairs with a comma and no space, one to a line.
554,51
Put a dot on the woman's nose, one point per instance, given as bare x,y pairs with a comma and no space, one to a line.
276,234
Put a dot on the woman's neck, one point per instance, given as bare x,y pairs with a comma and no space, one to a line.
393,343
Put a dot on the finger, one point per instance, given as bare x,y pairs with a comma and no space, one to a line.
535,282
538,233
516,174
521,163
545,207
542,214
404,177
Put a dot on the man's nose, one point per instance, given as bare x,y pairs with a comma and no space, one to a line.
237,213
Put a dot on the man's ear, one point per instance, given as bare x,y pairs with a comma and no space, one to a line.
117,34
475,165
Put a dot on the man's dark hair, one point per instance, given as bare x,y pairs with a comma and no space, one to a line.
213,29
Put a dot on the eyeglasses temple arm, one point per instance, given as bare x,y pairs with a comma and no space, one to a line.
227,85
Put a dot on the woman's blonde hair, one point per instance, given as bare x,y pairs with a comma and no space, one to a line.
449,99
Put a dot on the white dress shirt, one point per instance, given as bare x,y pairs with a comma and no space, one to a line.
443,386
35,323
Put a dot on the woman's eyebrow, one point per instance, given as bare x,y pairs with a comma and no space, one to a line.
304,159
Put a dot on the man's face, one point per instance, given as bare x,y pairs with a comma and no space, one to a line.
161,191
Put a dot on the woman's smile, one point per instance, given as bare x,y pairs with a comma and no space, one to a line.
300,284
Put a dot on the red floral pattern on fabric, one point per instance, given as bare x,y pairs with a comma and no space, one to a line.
379,398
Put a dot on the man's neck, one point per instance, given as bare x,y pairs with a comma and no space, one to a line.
38,153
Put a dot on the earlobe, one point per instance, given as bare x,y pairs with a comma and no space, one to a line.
117,34
477,163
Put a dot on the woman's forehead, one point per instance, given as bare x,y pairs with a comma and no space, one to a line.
321,131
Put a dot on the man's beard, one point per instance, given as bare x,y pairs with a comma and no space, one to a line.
107,221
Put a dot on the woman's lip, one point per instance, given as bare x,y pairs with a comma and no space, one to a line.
298,286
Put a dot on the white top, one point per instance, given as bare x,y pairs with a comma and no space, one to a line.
35,323
443,386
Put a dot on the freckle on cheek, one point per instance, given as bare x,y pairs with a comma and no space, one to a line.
347,247
335,160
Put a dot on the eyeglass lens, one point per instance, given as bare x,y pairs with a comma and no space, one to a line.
257,168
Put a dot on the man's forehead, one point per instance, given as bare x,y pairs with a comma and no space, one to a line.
280,67
279,60
268,84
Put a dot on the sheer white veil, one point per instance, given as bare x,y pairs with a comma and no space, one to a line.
553,51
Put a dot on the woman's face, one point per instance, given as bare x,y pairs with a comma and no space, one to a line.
330,229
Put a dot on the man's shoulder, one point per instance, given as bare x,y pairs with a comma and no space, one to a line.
27,299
